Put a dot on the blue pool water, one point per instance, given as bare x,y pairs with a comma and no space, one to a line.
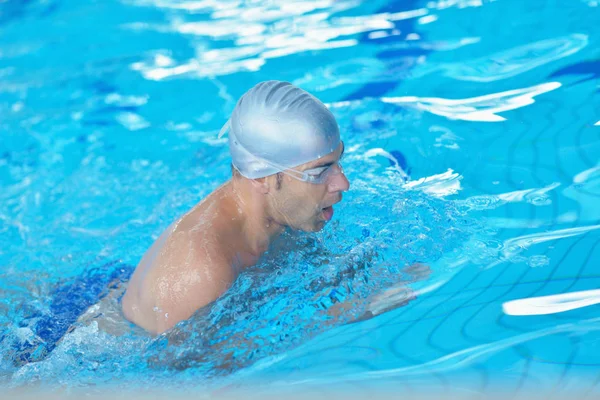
472,132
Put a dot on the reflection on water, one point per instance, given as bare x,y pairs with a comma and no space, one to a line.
482,108
516,61
263,30
552,304
109,132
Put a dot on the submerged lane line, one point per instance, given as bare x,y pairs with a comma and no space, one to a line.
453,361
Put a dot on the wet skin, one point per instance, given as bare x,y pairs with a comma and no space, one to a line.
199,256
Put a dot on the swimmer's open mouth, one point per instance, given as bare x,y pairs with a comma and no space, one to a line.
327,213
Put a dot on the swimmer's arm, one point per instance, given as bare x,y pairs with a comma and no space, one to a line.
193,279
398,295
390,299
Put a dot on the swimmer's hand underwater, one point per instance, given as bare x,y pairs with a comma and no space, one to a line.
390,298
286,174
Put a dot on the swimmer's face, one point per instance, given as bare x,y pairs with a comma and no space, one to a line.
308,206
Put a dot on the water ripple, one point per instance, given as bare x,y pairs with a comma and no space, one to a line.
585,190
552,304
512,247
481,108
453,361
508,63
439,185
256,37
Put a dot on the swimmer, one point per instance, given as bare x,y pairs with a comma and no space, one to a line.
285,147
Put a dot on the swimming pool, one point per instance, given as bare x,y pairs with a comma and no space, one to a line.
109,114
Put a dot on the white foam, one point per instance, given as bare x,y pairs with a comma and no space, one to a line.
439,185
381,152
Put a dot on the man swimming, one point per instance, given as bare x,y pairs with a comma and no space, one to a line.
285,148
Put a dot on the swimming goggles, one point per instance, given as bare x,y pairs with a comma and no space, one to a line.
316,176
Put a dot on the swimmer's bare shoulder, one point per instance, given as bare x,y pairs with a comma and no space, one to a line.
184,270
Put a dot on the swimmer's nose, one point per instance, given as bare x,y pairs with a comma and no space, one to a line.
339,183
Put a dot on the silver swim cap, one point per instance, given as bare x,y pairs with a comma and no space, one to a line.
277,126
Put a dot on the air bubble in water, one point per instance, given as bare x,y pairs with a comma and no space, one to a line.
538,261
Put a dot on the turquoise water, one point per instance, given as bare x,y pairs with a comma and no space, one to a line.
109,114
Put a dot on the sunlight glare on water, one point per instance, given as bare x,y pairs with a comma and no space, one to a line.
465,255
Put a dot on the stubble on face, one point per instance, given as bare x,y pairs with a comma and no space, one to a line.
297,208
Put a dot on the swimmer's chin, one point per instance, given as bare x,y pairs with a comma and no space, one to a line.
316,225
319,226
